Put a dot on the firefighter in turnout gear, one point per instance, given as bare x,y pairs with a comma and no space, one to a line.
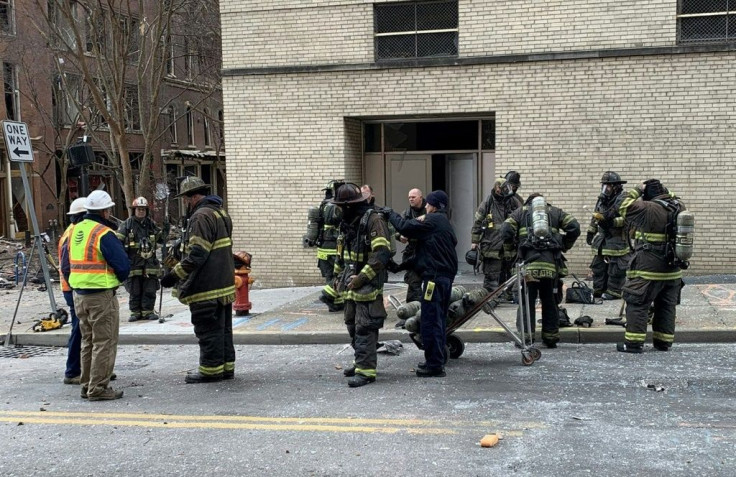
652,278
205,281
485,234
140,235
609,240
543,232
329,220
363,250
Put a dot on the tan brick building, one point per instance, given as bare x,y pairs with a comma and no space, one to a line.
450,94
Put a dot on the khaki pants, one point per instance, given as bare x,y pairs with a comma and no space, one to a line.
99,322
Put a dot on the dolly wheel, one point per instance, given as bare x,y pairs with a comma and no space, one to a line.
526,358
456,345
536,354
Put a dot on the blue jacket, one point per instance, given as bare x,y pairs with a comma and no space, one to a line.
435,246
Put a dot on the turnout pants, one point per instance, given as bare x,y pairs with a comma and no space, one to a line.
414,281
142,290
492,271
609,277
99,323
74,344
639,295
363,319
213,327
544,289
434,318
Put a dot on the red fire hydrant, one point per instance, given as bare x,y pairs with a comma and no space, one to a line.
243,280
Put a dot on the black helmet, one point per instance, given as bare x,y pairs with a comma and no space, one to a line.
654,188
610,177
349,193
471,256
513,178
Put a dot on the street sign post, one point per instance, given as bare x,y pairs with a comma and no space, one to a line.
18,145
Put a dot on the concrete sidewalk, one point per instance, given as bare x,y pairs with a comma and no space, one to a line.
296,316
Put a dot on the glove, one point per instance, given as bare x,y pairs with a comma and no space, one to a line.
585,321
169,280
385,210
356,281
607,222
589,238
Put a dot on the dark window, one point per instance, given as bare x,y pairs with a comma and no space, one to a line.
10,81
190,126
6,16
372,138
132,109
704,21
416,30
488,134
431,136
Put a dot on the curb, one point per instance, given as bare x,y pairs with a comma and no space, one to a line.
487,335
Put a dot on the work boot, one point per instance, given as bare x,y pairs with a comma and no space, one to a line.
550,344
109,394
349,372
628,348
133,318
113,377
228,374
661,345
151,317
83,392
608,296
400,324
360,380
430,372
74,380
196,378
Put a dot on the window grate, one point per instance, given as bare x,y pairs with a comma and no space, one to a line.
706,21
416,30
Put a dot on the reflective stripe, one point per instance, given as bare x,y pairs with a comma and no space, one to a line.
380,242
368,272
369,373
228,293
199,242
229,366
655,276
62,241
325,253
211,370
635,337
667,338
651,237
352,295
223,242
88,268
613,252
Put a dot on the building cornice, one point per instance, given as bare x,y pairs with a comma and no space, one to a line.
484,60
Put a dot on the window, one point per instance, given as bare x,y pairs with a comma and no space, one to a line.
66,97
206,126
221,126
172,124
64,34
7,17
12,98
169,56
187,58
415,30
96,40
700,21
190,126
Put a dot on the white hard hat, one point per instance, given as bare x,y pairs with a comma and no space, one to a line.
139,202
98,200
77,206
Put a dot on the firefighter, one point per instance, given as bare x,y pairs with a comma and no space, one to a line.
329,221
74,345
436,262
609,240
205,280
509,256
542,252
140,235
652,279
417,208
485,234
363,250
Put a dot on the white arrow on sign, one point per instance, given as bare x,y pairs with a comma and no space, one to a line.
17,141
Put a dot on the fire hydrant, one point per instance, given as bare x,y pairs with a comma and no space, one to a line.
243,280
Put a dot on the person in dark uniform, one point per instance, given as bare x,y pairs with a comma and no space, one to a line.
651,279
436,262
413,280
140,235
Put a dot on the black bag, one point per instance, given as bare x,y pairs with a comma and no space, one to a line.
579,292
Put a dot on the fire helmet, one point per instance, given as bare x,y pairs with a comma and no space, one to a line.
192,184
349,193
471,257
610,177
139,202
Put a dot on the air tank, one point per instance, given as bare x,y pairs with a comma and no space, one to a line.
312,224
407,310
540,219
684,237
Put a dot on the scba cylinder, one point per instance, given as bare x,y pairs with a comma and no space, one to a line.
685,235
312,224
540,219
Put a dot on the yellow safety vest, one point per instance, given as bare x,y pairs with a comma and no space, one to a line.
62,242
89,270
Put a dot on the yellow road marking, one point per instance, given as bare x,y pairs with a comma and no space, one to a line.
319,424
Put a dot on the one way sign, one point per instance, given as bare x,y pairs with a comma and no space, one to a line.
17,141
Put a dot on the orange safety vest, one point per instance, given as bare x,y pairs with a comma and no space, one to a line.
89,270
62,242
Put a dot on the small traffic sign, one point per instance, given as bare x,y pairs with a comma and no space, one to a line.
17,141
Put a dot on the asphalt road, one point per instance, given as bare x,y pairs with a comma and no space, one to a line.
580,410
